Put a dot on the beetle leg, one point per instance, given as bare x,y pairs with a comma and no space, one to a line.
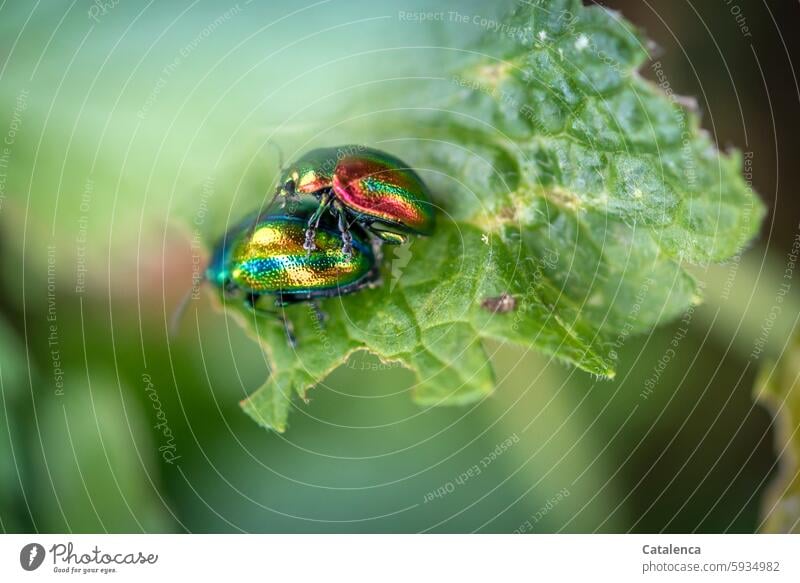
229,288
320,315
250,301
347,238
313,222
390,237
288,328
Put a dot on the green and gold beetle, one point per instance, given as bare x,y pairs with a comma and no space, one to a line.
264,256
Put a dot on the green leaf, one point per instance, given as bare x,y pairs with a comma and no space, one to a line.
778,389
565,180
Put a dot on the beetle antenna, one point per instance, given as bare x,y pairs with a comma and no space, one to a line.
273,199
278,186
278,149
180,310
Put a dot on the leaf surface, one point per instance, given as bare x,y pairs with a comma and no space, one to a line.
563,179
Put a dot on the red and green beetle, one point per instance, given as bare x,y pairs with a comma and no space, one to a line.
376,190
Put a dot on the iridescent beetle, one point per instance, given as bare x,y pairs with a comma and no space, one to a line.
265,256
380,192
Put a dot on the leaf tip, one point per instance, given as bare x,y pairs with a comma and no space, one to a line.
274,422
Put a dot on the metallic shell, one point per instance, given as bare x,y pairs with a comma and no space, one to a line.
374,185
314,170
268,258
378,186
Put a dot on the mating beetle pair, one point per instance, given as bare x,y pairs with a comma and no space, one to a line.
328,245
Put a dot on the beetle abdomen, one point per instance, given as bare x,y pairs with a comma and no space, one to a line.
382,187
272,260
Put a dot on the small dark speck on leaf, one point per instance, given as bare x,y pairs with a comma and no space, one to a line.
501,304
508,213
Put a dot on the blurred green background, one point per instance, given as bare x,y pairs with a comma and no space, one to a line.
129,126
